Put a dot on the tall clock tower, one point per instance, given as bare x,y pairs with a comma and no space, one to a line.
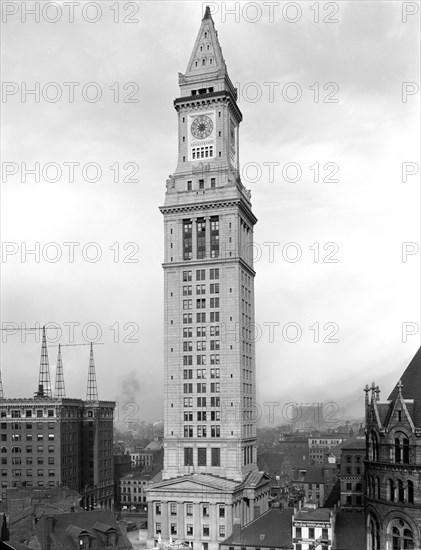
210,475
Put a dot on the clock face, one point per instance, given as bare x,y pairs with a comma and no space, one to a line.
201,127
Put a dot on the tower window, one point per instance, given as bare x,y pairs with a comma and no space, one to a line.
201,184
201,233
210,61
213,183
189,186
203,61
187,239
201,458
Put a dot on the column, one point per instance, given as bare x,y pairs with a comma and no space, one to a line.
229,520
151,525
208,235
164,521
251,518
181,529
194,239
197,516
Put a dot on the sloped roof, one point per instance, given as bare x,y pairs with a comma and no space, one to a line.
314,475
270,530
350,531
67,527
313,514
207,35
411,387
273,461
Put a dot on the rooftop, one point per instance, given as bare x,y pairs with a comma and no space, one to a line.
313,514
411,387
271,530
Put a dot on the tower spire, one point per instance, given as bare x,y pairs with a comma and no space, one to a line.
91,390
44,384
1,387
59,390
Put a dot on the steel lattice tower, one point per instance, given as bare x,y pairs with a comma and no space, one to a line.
44,384
60,390
91,390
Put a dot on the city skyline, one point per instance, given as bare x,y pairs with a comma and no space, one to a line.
368,293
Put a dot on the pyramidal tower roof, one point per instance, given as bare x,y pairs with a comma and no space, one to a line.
410,386
59,390
91,390
207,52
44,384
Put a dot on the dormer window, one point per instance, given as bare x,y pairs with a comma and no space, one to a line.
210,61
206,34
111,539
207,47
84,541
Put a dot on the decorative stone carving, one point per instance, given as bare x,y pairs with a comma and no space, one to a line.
170,182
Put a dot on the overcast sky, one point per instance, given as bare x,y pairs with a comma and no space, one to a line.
353,117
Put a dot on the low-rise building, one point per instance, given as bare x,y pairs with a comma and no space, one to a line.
313,527
132,490
352,474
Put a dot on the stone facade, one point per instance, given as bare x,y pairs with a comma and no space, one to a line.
209,366
393,463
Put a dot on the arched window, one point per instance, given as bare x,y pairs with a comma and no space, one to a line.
4,449
391,490
397,450
373,533
405,450
401,448
373,448
401,534
410,492
401,492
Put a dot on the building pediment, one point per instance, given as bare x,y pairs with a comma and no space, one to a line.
195,483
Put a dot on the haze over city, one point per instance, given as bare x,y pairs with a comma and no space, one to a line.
345,274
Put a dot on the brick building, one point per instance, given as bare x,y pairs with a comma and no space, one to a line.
54,441
352,474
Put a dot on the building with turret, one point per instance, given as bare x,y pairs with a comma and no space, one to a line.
393,463
51,440
210,476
